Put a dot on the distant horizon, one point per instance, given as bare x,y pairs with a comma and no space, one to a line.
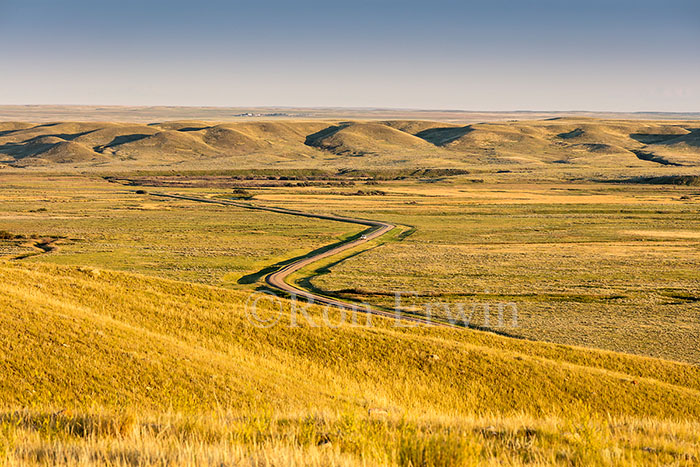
41,114
349,107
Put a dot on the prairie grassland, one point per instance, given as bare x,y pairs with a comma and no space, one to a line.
602,265
105,225
111,352
592,264
101,366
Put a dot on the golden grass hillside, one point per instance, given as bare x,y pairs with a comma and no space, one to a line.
358,139
101,366
562,142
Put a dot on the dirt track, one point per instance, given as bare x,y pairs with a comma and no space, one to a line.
277,278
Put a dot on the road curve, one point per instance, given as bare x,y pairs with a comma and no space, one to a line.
277,278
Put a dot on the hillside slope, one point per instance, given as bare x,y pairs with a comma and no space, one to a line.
83,340
124,333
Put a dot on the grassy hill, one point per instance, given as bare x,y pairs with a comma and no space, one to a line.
358,139
571,142
105,366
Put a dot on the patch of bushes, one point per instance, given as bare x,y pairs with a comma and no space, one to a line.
368,193
5,235
684,180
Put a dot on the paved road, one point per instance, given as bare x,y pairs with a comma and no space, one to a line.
277,278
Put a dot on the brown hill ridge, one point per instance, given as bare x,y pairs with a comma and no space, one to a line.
580,142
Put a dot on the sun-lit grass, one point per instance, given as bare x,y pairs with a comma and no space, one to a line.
340,439
80,342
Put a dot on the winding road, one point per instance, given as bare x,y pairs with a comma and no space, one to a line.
277,279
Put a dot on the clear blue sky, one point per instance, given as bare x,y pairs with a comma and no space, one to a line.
437,54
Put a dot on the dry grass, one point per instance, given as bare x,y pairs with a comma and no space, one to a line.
141,370
341,439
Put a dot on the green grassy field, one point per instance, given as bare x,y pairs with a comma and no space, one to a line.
109,226
576,259
594,265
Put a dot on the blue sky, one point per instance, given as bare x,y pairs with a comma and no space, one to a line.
488,55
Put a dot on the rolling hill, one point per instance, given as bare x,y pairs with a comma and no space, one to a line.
575,142
359,139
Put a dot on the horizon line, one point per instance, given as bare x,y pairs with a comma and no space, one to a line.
364,108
